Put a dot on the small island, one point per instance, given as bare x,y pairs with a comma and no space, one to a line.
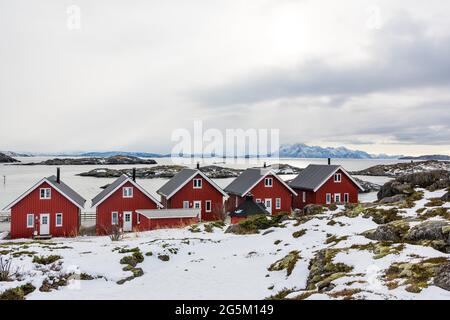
114,160
7,159
399,169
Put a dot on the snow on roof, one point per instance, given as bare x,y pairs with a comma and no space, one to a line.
170,213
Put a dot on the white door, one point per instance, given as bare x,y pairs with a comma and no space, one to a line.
127,221
268,204
44,226
337,197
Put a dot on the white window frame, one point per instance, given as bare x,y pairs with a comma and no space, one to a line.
338,178
56,220
32,220
338,195
126,192
186,204
45,196
112,218
138,219
346,197
197,183
304,196
328,198
277,203
199,205
258,200
206,206
237,202
268,182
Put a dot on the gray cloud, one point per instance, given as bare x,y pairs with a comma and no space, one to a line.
403,55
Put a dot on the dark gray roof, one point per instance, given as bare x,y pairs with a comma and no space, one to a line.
109,189
68,191
245,181
248,208
312,176
177,181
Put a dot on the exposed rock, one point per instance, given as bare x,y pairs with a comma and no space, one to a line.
312,209
368,186
7,159
393,199
93,161
431,180
446,197
382,216
416,276
323,271
400,169
287,263
283,168
392,188
442,277
429,230
393,231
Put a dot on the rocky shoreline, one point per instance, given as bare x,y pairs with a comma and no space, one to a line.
7,159
162,171
400,169
114,160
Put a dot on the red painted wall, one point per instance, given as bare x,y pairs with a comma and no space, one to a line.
32,204
319,197
116,203
260,191
188,193
151,224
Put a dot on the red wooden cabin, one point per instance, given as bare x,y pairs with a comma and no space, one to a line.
192,189
265,186
117,205
49,208
324,184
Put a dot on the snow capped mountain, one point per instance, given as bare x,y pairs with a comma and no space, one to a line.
301,150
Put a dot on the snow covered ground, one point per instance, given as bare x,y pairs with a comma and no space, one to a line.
219,265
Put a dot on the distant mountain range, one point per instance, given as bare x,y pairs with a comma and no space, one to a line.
428,157
300,150
297,150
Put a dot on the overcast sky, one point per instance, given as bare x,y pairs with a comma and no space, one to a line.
368,75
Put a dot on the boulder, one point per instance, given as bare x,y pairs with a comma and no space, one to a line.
432,180
393,188
312,209
446,197
393,199
393,231
442,277
430,230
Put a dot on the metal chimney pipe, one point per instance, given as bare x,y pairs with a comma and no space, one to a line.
198,165
329,161
134,174
58,175
265,165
